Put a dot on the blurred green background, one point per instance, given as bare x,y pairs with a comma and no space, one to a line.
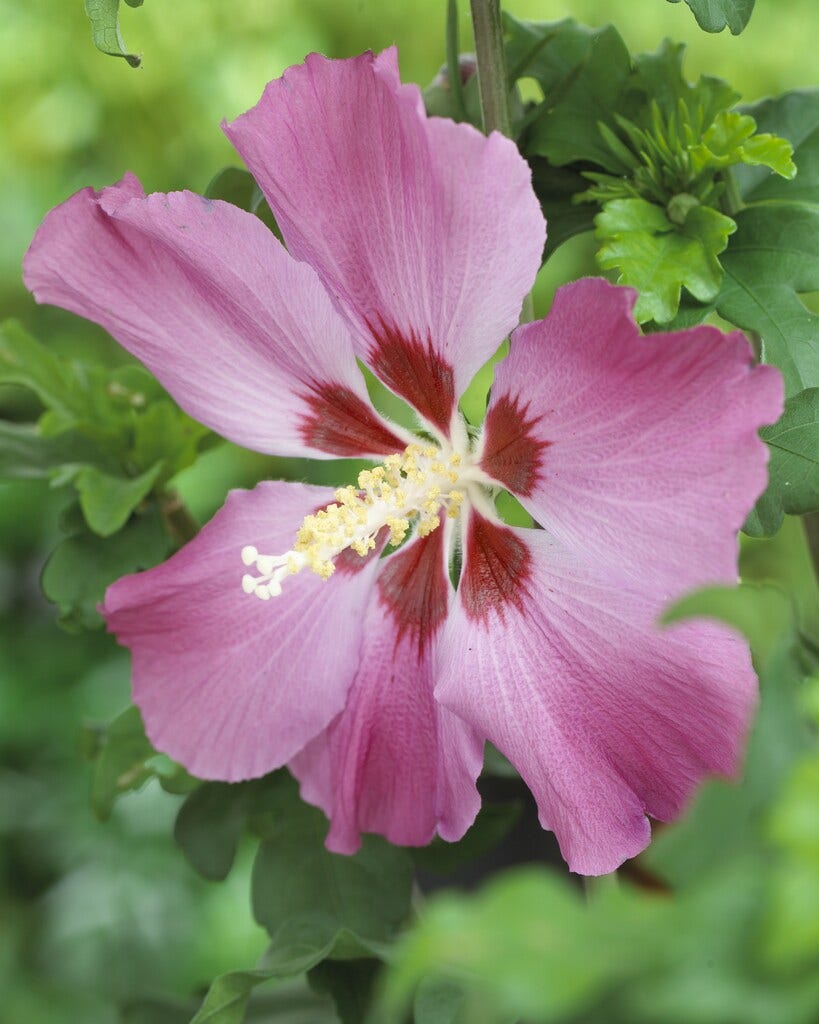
89,912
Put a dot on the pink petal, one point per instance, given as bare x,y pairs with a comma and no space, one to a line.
395,762
427,233
640,453
606,717
230,685
243,336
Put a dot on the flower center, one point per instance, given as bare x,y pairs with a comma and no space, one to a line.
411,488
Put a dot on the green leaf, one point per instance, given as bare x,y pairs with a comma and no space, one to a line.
714,15
437,1002
308,898
238,186
493,823
793,471
164,434
773,257
82,566
658,257
26,455
795,116
119,764
529,943
763,614
25,361
582,72
213,818
289,1003
104,18
730,139
107,501
556,187
349,983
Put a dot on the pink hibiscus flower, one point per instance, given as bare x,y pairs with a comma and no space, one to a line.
411,243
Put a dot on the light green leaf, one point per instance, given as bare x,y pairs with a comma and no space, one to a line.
82,566
104,18
795,116
793,471
763,614
714,15
437,1002
730,140
107,501
582,72
773,257
657,257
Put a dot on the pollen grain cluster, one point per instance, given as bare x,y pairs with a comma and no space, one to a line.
408,489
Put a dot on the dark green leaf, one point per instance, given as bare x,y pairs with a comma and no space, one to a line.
308,898
793,471
582,72
107,501
238,186
104,18
714,15
658,257
555,188
795,116
81,567
212,820
350,985
490,827
773,256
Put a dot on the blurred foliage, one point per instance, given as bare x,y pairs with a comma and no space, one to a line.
89,913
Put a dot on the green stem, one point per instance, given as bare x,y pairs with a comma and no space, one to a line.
179,523
811,525
492,81
733,199
596,885
453,66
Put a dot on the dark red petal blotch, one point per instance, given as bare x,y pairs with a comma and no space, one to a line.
513,454
342,423
414,370
497,568
414,587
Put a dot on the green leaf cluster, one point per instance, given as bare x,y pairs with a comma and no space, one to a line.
657,150
113,439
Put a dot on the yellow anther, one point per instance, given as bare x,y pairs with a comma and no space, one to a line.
409,488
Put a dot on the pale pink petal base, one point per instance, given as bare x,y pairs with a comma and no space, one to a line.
229,685
395,762
427,233
607,718
244,337
640,454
